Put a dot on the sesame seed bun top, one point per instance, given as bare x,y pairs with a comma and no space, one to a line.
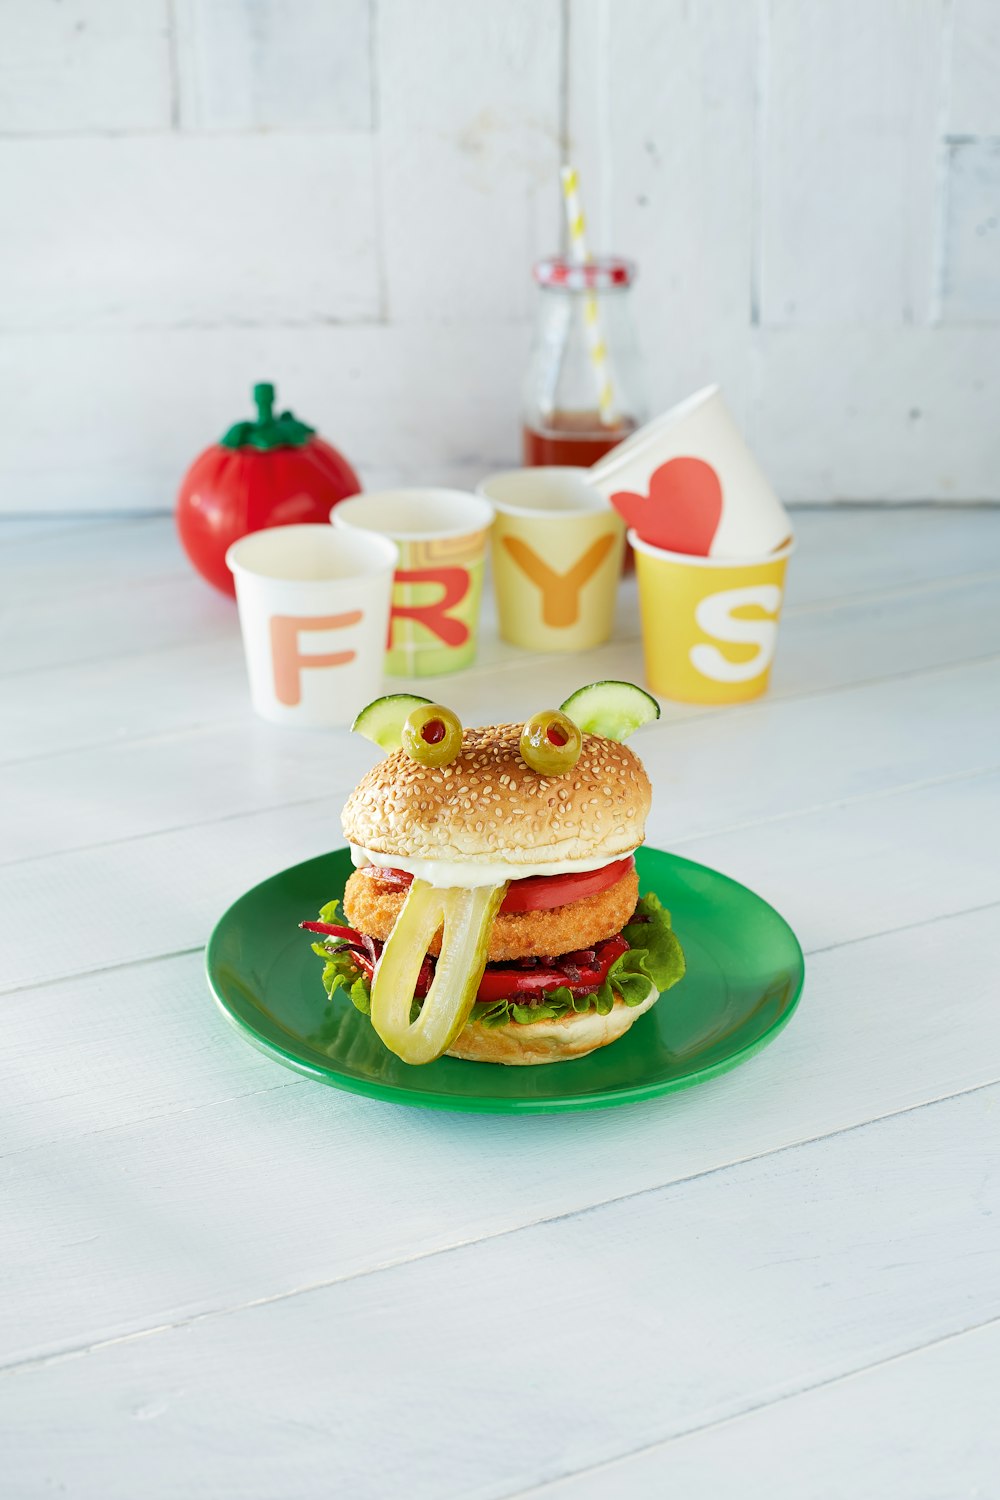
488,804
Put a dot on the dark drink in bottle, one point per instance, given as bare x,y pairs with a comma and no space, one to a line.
573,438
577,407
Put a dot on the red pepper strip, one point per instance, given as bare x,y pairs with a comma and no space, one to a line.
332,930
499,983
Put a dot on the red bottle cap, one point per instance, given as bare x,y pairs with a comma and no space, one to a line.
599,274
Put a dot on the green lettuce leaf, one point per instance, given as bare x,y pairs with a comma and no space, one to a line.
652,940
340,972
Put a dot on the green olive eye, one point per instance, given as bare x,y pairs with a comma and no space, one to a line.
550,743
432,735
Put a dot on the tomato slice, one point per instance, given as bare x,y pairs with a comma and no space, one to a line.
542,892
536,892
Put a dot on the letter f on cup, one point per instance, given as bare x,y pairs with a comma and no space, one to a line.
289,661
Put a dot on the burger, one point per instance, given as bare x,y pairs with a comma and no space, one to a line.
494,910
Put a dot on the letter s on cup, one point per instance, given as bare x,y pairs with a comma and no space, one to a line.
714,615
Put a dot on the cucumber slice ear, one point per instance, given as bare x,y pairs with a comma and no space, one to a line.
382,721
611,709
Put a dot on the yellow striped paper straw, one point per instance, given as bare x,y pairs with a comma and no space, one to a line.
579,252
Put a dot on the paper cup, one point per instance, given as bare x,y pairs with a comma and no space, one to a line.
557,555
314,607
707,493
440,536
709,627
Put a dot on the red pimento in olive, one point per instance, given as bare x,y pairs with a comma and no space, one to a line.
550,743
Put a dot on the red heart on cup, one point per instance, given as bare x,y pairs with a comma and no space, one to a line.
681,512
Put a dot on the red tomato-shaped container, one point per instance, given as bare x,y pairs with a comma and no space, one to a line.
271,472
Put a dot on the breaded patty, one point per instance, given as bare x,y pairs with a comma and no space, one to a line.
372,906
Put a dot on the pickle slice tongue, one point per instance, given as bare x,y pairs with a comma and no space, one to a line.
466,917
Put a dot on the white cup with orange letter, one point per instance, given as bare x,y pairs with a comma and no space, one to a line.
314,611
557,557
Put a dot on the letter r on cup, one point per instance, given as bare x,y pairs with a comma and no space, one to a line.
288,660
455,583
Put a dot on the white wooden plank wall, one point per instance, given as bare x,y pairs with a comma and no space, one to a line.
346,196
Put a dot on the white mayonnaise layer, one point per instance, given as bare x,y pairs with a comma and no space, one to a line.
476,872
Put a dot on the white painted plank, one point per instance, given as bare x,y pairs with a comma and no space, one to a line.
898,413
95,624
970,290
243,65
923,1426
101,554
785,757
729,1290
845,552
171,230
85,65
468,130
849,161
679,164
405,408
973,97
40,531
121,699
124,791
855,869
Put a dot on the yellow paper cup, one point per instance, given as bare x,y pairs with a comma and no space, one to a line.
709,626
441,539
557,556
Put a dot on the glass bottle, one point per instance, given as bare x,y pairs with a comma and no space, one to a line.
580,306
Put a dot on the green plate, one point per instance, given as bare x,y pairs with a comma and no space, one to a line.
744,978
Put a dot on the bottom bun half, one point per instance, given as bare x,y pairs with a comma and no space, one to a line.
557,1040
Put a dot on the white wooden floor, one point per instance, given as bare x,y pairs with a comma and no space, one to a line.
220,1279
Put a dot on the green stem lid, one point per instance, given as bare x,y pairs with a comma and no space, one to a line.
268,431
